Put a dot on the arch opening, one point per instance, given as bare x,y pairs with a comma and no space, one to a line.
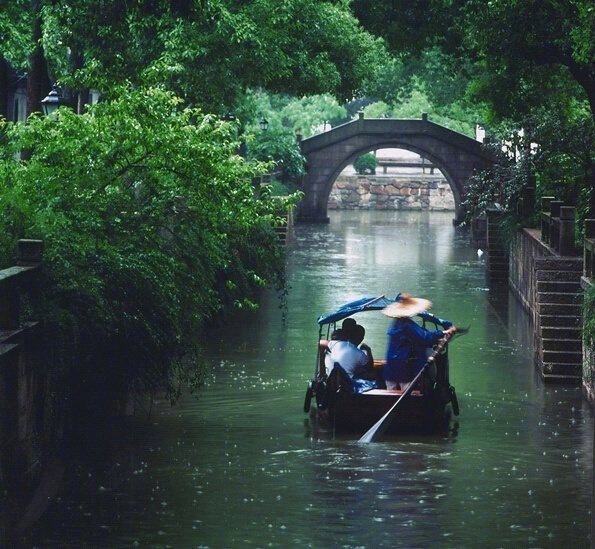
403,179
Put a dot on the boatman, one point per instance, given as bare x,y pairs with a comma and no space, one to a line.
408,342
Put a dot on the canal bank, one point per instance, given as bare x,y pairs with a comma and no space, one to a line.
240,465
550,276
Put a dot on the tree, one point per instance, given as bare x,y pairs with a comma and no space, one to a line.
517,58
150,226
206,52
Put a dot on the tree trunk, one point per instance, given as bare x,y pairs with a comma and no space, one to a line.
79,99
3,87
38,80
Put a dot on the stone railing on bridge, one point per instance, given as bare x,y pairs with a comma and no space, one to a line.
385,163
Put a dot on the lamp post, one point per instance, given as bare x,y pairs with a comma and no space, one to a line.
52,101
264,124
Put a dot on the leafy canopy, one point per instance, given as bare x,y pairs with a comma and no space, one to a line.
150,225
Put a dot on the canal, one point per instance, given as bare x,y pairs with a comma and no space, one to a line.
239,464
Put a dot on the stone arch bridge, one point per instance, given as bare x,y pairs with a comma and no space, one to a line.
457,156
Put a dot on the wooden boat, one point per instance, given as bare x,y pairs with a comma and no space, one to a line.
343,406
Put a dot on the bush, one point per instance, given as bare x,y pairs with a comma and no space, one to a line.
365,164
150,227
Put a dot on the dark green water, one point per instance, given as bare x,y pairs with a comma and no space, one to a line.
240,466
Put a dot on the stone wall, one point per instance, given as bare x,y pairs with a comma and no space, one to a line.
548,286
392,192
588,355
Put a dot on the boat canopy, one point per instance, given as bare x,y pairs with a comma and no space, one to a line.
374,304
359,306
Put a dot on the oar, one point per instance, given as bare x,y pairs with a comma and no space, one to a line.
382,424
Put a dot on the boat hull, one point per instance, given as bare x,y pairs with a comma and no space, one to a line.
356,413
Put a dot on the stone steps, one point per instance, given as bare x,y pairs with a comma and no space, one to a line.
561,321
558,332
561,286
559,309
562,298
566,345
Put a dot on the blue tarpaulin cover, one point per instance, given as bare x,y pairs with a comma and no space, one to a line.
372,304
358,306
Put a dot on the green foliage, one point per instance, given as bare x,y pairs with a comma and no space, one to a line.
365,164
150,225
554,147
208,53
16,33
411,106
287,117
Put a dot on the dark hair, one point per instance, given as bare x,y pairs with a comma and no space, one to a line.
348,324
339,335
357,334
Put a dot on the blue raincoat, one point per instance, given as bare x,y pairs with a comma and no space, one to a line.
407,346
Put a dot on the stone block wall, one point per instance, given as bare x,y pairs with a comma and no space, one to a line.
549,287
380,192
588,355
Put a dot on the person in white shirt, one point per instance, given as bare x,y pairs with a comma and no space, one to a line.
346,354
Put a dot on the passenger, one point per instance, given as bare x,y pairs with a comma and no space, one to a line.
348,326
408,341
368,371
346,354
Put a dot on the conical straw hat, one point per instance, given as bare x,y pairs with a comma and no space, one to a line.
407,305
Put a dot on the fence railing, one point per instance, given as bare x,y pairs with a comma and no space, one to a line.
557,226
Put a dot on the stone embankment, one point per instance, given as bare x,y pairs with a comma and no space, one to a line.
392,192
549,275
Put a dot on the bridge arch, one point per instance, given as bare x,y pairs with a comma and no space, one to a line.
457,156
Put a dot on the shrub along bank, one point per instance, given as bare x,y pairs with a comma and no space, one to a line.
151,228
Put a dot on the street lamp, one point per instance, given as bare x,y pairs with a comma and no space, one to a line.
264,124
52,101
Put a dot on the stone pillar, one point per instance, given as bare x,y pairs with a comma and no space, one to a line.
29,252
545,218
588,247
566,234
497,257
526,206
555,206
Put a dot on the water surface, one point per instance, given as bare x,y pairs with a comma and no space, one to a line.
241,466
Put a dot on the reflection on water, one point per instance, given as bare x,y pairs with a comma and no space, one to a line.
241,465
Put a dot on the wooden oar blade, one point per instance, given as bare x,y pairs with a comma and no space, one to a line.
373,433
